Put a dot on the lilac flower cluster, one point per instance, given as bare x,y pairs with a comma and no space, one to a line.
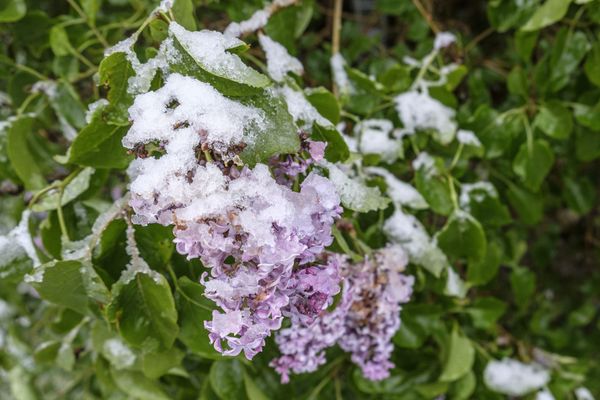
363,323
286,170
262,241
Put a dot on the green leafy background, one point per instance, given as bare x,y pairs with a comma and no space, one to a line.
528,259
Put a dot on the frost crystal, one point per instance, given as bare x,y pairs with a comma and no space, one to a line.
513,378
279,61
363,323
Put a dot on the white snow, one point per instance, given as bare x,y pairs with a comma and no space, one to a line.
210,48
425,161
583,393
467,138
257,20
467,190
407,231
401,193
93,107
374,138
353,192
119,355
279,61
300,108
340,77
514,378
455,286
443,39
544,395
185,106
419,111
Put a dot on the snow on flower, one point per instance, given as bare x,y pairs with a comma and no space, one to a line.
262,242
363,323
514,378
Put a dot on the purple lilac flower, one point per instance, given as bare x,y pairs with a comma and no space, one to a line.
363,323
261,241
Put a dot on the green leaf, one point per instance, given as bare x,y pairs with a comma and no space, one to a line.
463,236
554,119
459,359
455,77
525,43
435,189
183,10
252,390
277,135
587,144
580,194
397,78
463,388
20,154
236,80
488,209
156,364
79,184
155,243
59,41
496,132
193,310
419,322
114,71
68,108
70,284
532,164
136,385
12,10
227,379
567,51
482,272
592,64
588,116
99,145
485,311
517,82
90,8
529,206
522,282
13,268
337,149
144,311
550,12
354,193
325,103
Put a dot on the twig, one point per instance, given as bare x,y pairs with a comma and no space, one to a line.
427,16
337,27
478,39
